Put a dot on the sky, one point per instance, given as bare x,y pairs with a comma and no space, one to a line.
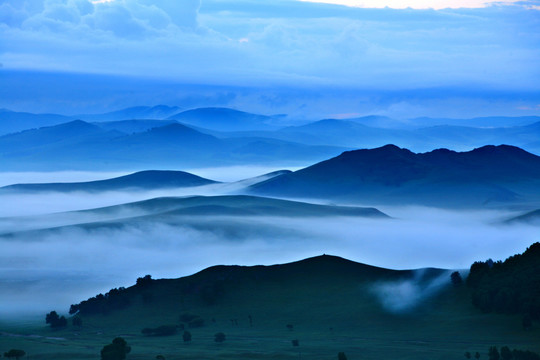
393,45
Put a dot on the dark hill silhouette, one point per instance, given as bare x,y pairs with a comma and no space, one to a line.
442,177
214,285
151,179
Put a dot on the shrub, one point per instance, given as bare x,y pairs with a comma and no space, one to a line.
14,353
117,350
55,321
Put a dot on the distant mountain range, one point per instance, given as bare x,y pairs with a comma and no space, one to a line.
81,145
490,175
419,134
224,119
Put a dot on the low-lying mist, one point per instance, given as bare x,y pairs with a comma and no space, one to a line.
45,270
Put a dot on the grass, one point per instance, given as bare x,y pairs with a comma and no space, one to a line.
328,301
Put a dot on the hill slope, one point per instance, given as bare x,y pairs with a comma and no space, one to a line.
151,179
490,174
223,119
327,303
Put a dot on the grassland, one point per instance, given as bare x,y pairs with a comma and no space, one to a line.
328,301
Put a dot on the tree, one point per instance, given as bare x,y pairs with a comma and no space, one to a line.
341,356
506,353
219,337
295,342
55,321
115,351
493,353
467,355
477,355
186,336
456,278
144,281
14,353
160,357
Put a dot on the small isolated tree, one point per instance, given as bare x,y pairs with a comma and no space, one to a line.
341,356
456,278
115,351
290,327
186,336
493,353
55,321
295,342
14,353
160,357
467,355
219,337
477,355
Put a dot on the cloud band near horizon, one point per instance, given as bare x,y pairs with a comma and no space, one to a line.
285,42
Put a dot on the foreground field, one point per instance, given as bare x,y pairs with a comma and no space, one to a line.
328,304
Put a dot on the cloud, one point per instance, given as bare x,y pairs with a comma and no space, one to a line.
413,4
405,295
289,42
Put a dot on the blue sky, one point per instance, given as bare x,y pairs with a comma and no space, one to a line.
283,43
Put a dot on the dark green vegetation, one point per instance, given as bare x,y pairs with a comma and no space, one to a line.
55,321
506,354
117,350
328,303
511,287
490,175
14,353
149,180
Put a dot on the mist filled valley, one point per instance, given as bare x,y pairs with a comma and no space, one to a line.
82,243
221,179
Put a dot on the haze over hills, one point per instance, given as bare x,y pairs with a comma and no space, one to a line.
228,215
485,176
224,119
80,145
158,112
133,126
12,121
531,217
420,134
